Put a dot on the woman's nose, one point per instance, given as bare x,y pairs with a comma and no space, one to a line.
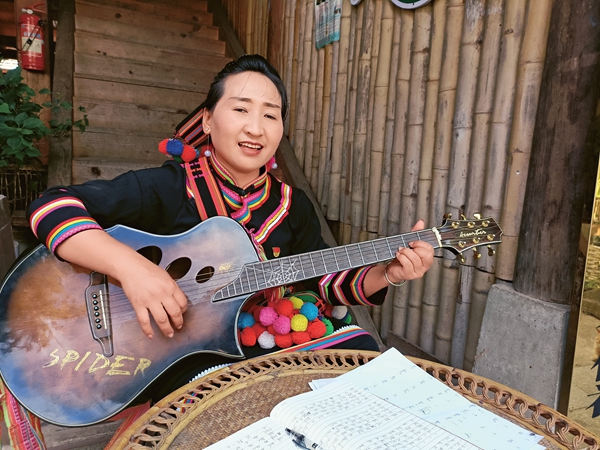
253,125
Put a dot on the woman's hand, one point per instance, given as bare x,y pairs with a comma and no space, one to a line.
148,287
412,262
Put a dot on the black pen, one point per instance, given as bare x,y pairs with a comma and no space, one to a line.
301,441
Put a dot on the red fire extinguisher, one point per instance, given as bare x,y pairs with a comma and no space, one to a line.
32,40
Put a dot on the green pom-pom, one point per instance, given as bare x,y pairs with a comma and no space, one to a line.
328,326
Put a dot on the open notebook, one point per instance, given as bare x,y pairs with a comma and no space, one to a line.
385,404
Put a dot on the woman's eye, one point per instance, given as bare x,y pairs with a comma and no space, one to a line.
239,109
271,116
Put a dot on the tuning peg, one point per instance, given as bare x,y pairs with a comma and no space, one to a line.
461,259
476,254
491,251
448,216
463,217
477,216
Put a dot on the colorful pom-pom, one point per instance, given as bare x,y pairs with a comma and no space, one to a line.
284,307
259,328
328,326
316,329
283,340
271,330
248,337
267,316
296,302
328,310
174,147
310,311
299,322
282,325
256,313
339,312
347,319
162,146
189,153
245,320
266,340
300,337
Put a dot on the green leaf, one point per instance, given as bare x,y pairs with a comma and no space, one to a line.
4,109
21,118
15,142
47,104
45,91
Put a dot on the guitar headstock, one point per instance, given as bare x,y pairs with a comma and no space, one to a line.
460,235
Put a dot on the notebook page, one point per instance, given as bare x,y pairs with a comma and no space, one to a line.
344,417
265,434
393,377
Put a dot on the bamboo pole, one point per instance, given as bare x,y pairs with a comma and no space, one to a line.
290,51
431,281
360,127
487,72
325,128
265,34
346,205
447,98
337,144
531,64
309,137
398,157
298,40
459,170
317,115
414,165
382,315
301,118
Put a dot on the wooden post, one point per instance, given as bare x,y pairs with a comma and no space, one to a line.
561,158
61,148
7,248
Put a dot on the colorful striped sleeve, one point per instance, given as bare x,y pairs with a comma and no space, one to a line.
346,288
59,216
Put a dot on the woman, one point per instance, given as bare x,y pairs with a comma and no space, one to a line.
234,135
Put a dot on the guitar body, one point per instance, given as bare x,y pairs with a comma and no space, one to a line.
49,358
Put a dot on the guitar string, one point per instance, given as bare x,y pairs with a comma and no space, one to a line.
120,308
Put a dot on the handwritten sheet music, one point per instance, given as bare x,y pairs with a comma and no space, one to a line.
396,379
342,417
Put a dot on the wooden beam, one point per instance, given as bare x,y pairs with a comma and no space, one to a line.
7,248
59,162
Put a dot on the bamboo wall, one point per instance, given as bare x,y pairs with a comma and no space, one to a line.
414,114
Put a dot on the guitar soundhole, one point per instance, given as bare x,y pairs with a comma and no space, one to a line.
205,274
151,253
178,268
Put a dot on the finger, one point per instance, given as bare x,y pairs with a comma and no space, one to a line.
409,260
162,320
174,311
144,321
181,300
419,225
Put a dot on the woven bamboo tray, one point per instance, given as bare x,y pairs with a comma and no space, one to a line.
225,401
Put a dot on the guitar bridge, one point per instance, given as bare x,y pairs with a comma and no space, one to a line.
98,308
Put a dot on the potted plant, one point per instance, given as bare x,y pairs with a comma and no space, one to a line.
21,129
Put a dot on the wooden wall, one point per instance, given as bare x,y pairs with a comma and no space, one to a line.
414,114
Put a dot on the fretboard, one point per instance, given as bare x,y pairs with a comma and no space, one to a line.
262,275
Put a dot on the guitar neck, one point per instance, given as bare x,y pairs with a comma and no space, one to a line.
291,269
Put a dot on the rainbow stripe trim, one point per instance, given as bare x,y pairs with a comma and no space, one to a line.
341,335
68,228
278,215
43,211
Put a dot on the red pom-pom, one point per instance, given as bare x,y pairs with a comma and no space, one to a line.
300,337
271,330
283,340
162,146
189,153
248,337
259,328
256,313
316,329
328,310
284,307
272,303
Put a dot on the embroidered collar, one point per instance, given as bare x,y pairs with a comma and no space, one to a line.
223,175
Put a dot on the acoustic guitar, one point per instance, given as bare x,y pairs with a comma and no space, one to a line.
73,353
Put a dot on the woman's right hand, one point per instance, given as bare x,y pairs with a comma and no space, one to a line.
150,289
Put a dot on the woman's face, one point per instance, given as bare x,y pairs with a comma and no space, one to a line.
246,125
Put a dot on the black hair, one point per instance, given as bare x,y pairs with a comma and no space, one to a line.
245,63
